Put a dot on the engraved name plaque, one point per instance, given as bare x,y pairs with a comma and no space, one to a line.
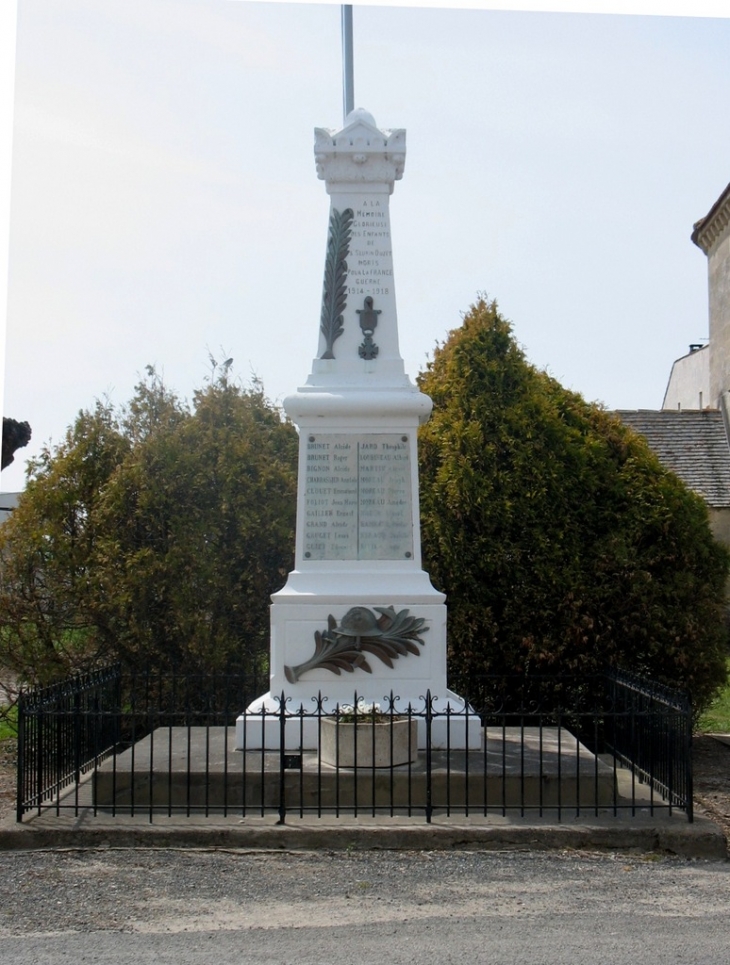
357,497
370,265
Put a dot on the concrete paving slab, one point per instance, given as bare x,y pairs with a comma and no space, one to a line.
643,832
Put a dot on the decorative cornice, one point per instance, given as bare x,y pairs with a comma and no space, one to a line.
360,152
709,229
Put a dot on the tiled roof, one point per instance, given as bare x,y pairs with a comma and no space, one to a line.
693,444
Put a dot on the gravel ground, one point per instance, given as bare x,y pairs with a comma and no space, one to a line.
191,907
172,891
712,781
139,907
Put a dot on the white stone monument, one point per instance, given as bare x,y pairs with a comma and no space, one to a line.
358,613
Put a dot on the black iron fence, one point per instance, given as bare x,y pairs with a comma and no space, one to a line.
63,731
651,733
557,746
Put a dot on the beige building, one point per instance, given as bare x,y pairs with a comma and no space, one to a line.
700,378
691,432
689,381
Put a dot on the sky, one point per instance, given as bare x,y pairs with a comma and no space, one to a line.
164,204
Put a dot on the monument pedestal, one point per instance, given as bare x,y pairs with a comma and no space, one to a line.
358,615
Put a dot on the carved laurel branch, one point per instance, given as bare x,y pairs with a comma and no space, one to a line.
334,298
393,635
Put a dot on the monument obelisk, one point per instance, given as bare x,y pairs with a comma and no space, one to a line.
358,613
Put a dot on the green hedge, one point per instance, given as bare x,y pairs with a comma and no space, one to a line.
561,542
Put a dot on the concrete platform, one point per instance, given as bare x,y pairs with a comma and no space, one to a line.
640,831
176,768
637,820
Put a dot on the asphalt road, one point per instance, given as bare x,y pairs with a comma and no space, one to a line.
119,907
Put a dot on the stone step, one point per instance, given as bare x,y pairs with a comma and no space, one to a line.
182,767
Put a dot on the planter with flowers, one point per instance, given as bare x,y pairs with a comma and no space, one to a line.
365,736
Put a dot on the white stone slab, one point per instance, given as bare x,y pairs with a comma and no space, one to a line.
256,729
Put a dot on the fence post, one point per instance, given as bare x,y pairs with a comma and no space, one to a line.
40,750
282,752
688,760
21,758
429,721
77,738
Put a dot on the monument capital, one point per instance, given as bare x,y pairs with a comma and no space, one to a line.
360,152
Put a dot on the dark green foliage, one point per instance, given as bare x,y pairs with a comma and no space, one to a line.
156,536
47,597
561,542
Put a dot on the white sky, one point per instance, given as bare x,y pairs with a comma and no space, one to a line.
164,199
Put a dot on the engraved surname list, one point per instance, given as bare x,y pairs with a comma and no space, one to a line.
330,498
357,503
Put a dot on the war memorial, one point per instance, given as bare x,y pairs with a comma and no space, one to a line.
359,716
358,615
358,713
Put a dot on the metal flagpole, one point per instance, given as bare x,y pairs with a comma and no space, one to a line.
348,72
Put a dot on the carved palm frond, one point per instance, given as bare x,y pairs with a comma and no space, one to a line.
334,298
398,635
